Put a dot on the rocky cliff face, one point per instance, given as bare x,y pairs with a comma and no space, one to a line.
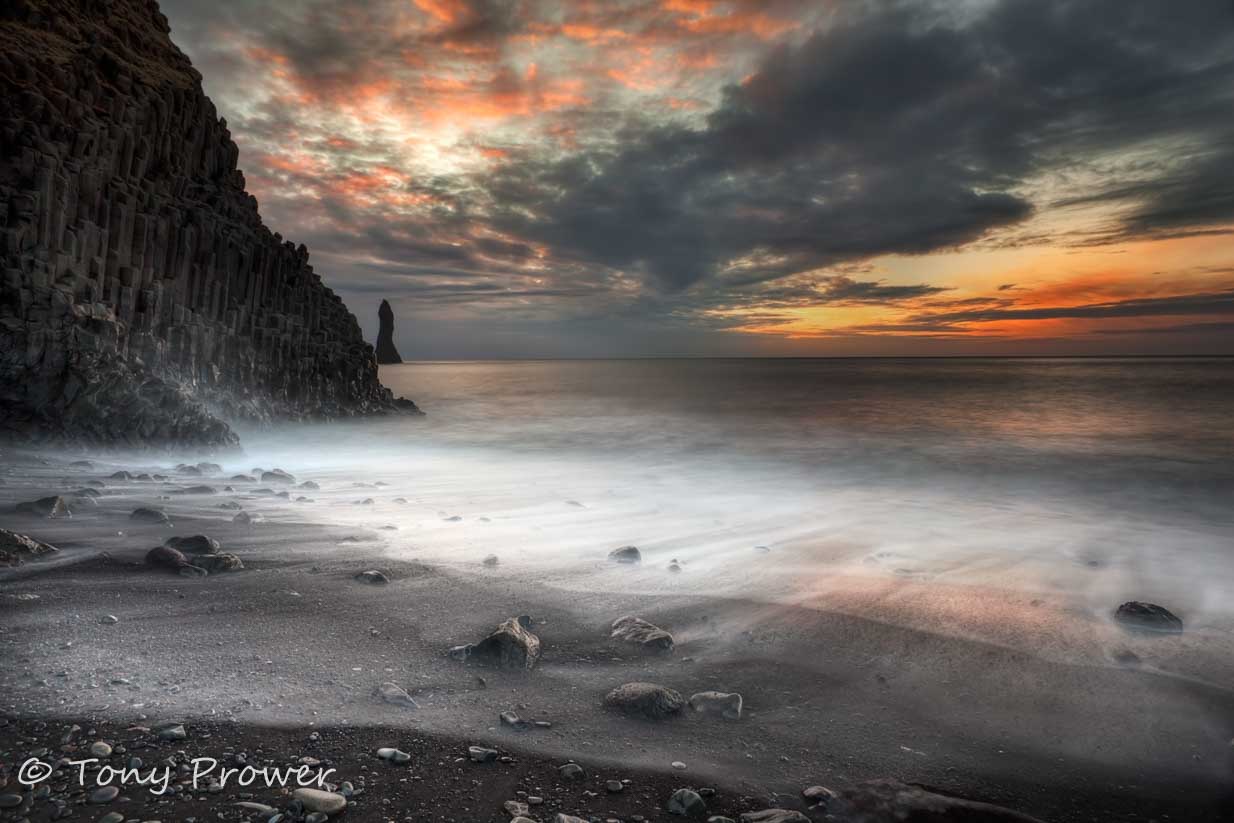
387,354
142,298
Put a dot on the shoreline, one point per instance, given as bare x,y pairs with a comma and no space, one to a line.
292,642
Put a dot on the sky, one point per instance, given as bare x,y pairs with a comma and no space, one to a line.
782,178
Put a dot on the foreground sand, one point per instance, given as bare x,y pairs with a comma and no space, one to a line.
839,688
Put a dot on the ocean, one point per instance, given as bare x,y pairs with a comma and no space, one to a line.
1089,480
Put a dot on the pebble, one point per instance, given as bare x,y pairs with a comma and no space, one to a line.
10,801
109,619
316,800
393,755
571,771
515,808
687,802
479,754
104,794
677,764
614,786
100,749
112,817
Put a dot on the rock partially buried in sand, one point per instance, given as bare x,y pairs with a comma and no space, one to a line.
54,506
893,800
490,561
221,562
395,694
120,475
194,544
688,803
172,731
372,577
15,548
571,771
197,490
638,631
626,554
166,557
727,705
316,800
148,515
247,518
1148,617
479,754
649,700
778,816
393,755
510,646
277,476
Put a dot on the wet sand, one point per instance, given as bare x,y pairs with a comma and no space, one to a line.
840,683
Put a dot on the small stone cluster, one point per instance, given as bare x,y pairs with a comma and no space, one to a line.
142,299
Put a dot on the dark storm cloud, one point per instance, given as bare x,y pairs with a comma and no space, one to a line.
900,129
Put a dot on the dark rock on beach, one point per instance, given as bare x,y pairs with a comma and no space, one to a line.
641,633
510,646
16,548
626,554
148,515
46,507
648,700
1148,617
194,544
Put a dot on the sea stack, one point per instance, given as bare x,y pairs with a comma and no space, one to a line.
387,354
143,301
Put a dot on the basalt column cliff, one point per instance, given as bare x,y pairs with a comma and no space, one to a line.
143,301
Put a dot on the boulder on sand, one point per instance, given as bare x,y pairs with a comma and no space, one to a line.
15,548
396,694
194,544
638,631
510,646
54,506
219,562
626,554
148,515
166,557
1148,617
373,577
277,476
649,700
725,704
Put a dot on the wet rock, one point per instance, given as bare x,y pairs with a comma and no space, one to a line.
10,801
626,554
479,754
248,518
220,562
316,800
774,816
210,468
515,808
16,548
197,490
893,800
109,620
167,558
310,485
688,803
242,478
510,646
638,631
277,476
724,704
100,748
372,576
194,544
396,695
385,351
393,755
192,571
171,731
104,794
230,505
561,817
819,795
54,506
149,515
511,720
491,560
572,772
120,475
614,786
1147,617
649,700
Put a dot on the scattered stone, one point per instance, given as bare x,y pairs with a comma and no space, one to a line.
166,557
393,755
649,700
373,577
192,571
120,475
16,548
109,620
513,721
614,786
510,646
148,515
230,504
674,566
247,518
626,554
638,631
104,794
678,765
310,485
725,704
479,754
10,801
893,800
688,803
571,772
54,506
112,817
776,816
396,694
197,490
277,476
515,808
561,817
259,808
819,795
172,731
316,800
1148,617
210,468
190,471
242,478
100,748
194,544
491,560
220,562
